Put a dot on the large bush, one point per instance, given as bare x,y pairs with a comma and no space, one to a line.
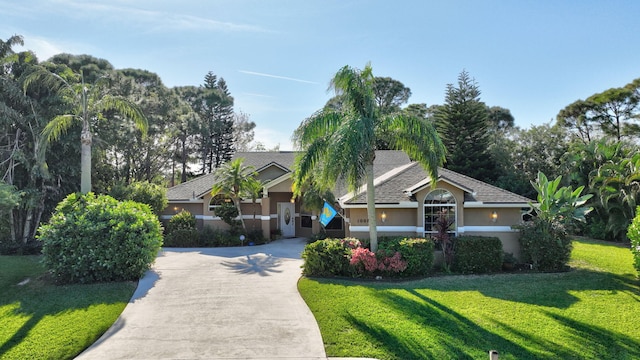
183,220
418,253
328,257
477,254
93,238
634,236
545,245
143,192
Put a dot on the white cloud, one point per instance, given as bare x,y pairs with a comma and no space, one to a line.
45,48
271,138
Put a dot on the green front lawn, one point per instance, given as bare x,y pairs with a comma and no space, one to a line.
590,312
40,320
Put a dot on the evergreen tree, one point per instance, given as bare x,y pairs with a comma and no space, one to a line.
462,124
215,107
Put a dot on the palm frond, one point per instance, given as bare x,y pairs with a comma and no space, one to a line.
56,127
125,108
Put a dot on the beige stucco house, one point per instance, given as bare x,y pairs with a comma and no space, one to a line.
407,202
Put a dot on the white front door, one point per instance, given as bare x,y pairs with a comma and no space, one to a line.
287,219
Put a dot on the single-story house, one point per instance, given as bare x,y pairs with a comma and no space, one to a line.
407,203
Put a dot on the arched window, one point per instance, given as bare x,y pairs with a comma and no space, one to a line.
439,204
217,201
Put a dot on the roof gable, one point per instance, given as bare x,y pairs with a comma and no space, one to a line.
399,185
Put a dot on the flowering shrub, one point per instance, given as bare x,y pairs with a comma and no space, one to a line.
366,262
418,253
393,263
351,243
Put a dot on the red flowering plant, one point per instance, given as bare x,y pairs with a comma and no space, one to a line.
351,243
367,263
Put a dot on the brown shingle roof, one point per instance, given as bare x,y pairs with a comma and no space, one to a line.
391,186
191,189
198,187
393,170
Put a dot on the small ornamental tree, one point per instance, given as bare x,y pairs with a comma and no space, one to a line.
545,242
95,238
634,236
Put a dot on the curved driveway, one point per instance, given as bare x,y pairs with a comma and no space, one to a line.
218,303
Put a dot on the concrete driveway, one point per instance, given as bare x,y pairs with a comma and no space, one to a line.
219,303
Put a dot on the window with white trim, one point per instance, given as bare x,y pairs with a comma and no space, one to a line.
439,203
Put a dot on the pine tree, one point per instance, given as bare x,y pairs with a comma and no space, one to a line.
215,108
462,125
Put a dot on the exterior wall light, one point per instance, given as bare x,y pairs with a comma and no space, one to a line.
494,216
383,217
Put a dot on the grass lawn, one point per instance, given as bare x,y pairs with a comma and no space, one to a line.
40,320
590,312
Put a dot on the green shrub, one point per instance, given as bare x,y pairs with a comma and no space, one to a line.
418,253
477,254
93,238
328,257
256,237
210,237
634,236
182,238
183,220
143,192
228,212
595,228
545,245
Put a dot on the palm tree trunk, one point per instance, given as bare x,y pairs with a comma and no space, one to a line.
371,207
85,160
238,204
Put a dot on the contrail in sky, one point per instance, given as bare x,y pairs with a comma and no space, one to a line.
277,77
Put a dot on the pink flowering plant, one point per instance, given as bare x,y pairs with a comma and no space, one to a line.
367,263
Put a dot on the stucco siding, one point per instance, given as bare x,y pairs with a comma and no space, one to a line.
482,216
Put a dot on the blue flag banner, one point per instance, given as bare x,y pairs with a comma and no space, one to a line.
328,213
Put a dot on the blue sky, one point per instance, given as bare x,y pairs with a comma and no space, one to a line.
277,57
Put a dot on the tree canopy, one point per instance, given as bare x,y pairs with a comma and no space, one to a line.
462,123
339,144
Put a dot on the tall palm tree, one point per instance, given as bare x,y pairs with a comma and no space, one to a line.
233,180
89,103
341,143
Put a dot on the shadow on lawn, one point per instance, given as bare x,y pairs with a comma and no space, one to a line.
595,342
458,334
544,289
39,299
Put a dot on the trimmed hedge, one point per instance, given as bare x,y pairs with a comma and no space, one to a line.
328,257
93,238
182,238
477,254
417,252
